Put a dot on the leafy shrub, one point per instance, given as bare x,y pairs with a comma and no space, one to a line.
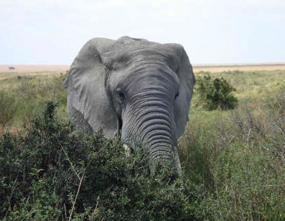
52,173
215,93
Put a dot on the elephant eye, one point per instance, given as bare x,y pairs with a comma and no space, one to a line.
177,70
121,94
176,95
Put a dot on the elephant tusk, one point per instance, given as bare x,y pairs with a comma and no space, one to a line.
177,161
127,150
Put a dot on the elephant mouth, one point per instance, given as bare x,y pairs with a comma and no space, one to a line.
128,152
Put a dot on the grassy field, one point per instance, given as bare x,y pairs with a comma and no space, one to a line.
240,67
24,95
240,153
234,159
29,89
30,69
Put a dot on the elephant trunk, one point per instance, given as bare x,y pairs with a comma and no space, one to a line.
153,124
157,134
161,141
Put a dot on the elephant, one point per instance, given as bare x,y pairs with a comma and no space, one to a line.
132,88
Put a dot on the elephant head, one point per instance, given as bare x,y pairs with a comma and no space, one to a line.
132,87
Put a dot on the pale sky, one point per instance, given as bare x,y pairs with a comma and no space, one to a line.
211,31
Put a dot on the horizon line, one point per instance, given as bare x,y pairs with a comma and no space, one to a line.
197,65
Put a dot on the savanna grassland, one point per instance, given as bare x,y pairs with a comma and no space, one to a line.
233,161
23,96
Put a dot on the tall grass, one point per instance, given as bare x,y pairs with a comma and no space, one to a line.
24,96
238,156
8,108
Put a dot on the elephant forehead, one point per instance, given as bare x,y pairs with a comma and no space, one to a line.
134,53
137,79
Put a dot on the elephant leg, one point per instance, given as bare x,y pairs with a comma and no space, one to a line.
77,119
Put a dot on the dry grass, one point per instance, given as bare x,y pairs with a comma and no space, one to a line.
239,67
31,70
52,69
24,96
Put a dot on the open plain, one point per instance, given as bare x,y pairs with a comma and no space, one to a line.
8,71
239,67
33,70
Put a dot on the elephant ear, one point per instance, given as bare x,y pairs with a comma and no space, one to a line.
187,81
85,84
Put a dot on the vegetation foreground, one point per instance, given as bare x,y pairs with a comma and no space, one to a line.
233,161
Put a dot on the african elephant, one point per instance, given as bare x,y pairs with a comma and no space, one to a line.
135,88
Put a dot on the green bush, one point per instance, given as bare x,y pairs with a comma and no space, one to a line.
215,93
51,173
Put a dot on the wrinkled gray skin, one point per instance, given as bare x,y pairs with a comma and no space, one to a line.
133,87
